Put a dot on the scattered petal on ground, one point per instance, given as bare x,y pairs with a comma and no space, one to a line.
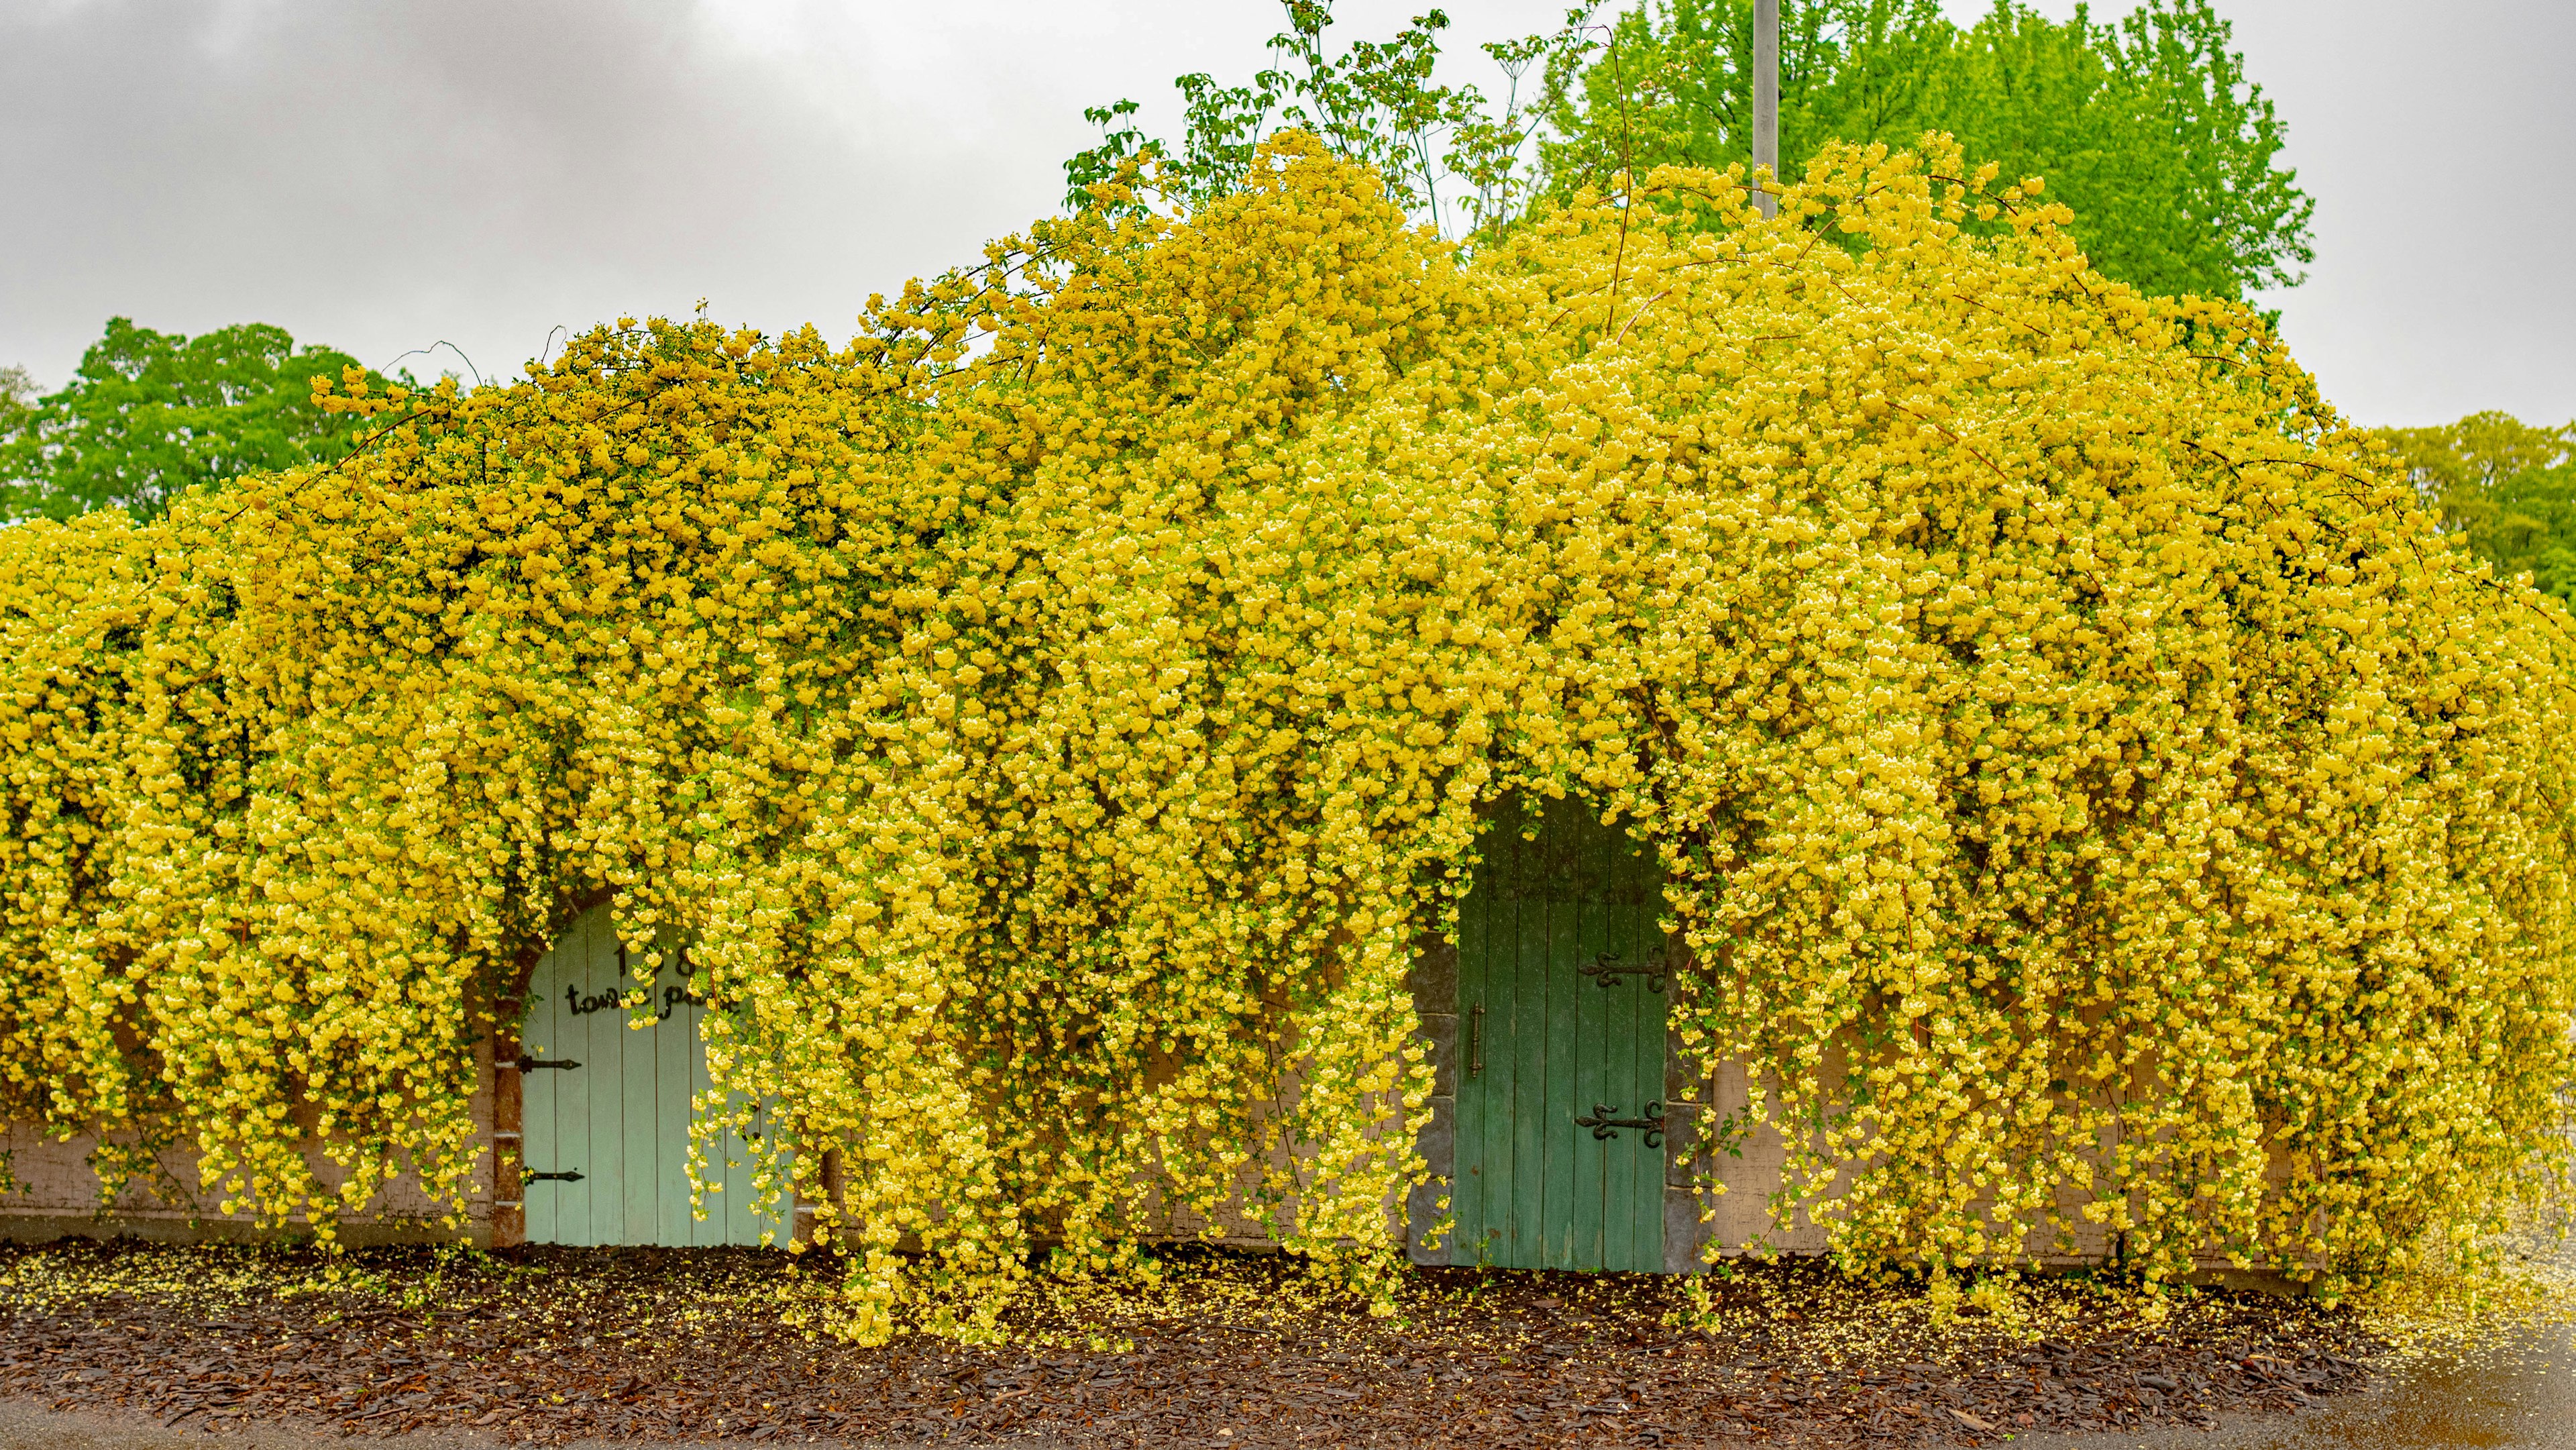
1237,1349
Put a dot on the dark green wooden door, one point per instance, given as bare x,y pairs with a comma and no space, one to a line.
1560,1159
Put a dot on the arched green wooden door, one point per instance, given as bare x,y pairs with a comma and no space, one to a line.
606,1143
1561,991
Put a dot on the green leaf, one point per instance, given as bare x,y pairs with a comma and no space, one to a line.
2147,128
151,415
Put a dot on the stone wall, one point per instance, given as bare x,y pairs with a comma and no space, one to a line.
1735,1220
59,1196
60,1193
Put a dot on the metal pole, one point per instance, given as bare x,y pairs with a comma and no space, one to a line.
1766,96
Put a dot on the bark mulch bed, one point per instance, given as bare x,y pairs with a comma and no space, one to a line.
1233,1349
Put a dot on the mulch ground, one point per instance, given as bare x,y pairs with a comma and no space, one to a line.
553,1345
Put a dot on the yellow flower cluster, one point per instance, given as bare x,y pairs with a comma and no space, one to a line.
2092,791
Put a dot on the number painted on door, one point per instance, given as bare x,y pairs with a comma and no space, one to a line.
607,1140
1562,982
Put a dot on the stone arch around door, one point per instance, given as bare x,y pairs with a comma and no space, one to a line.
604,1107
1547,1023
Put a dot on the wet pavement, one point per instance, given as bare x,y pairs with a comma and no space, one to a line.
2517,1392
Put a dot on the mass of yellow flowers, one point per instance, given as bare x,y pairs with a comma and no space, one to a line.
2094,795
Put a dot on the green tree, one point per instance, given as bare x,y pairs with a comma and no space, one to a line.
2147,127
1445,153
2507,487
17,401
1674,85
150,415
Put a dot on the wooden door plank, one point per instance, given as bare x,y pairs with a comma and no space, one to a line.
639,1184
755,1214
1562,1026
1568,1146
604,1179
1486,1146
722,1200
611,1093
1629,1010
584,1097
1467,1167
675,1044
1530,1166
1534,1096
1650,1047
1521,1096
735,1198
706,1229
1597,1021
770,1213
1642,1172
1494,1097
573,1107
541,1038
1617,1048
1619,1057
1667,951
733,1216
748,1215
1619,1075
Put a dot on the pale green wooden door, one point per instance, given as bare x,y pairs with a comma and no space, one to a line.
1561,991
607,1142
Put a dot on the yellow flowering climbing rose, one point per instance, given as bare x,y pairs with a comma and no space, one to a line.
2095,796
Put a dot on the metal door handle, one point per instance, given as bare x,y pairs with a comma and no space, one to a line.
1475,1040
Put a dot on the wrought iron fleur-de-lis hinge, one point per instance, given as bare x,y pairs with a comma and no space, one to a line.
1605,1126
531,1064
1607,970
530,1175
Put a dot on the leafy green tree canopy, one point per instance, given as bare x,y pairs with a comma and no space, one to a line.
17,400
2508,487
150,415
2147,127
1445,153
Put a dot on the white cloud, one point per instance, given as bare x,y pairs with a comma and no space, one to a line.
379,175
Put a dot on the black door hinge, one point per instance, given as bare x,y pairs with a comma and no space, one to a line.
1609,968
1605,1126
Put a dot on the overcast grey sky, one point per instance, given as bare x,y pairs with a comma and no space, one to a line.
381,176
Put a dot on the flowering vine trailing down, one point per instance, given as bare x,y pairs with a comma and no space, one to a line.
2093,793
